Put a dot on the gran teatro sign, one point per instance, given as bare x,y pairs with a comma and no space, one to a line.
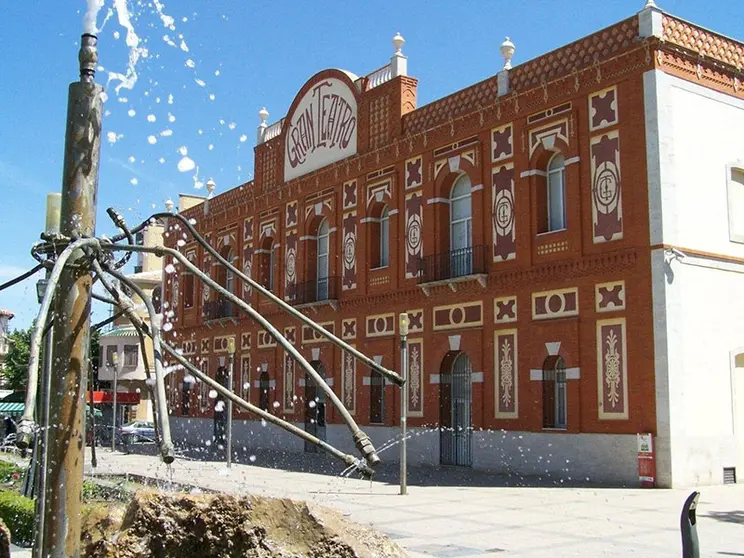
322,129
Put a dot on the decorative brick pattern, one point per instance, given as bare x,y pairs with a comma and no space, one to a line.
290,265
607,205
502,143
350,194
290,214
310,336
610,297
248,228
221,343
415,377
379,191
546,135
379,121
552,247
348,381
603,108
505,309
414,172
188,347
349,328
245,341
707,43
415,320
380,325
506,384
349,251
555,304
612,376
288,399
414,232
457,316
265,339
503,220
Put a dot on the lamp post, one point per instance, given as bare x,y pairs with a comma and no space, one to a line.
230,371
115,362
403,325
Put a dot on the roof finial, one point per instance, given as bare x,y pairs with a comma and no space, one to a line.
263,114
507,51
650,4
398,41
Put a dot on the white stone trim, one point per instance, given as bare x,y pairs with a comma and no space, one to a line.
262,251
532,172
369,220
329,382
431,201
332,230
571,161
454,342
277,245
301,383
316,353
553,347
476,188
308,237
536,375
366,381
272,384
649,22
378,359
434,378
393,212
711,263
476,377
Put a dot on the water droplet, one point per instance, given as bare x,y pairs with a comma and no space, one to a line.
212,394
252,458
151,118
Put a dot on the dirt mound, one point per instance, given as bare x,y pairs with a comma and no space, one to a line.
162,525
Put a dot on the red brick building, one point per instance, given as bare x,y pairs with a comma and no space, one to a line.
511,220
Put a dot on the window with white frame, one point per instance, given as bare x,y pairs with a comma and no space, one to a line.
322,261
384,237
556,185
736,204
461,228
131,355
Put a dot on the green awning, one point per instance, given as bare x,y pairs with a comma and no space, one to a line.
12,408
8,408
120,332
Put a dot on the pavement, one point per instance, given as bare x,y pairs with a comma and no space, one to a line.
456,513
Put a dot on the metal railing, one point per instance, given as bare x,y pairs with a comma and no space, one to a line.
453,264
317,290
219,309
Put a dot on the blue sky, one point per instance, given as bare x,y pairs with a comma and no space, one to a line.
247,55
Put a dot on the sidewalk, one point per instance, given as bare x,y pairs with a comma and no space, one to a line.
443,517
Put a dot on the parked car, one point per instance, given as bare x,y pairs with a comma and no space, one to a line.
137,431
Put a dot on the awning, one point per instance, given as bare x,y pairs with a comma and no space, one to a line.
121,332
16,409
105,397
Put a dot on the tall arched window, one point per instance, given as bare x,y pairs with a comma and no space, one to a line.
322,260
461,228
556,185
554,393
384,237
229,275
266,263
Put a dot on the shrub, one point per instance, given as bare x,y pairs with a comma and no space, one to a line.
18,514
10,472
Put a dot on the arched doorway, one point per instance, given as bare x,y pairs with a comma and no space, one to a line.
455,406
315,407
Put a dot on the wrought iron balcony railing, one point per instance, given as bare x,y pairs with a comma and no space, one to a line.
219,309
317,290
453,264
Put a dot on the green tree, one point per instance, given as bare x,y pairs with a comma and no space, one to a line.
16,363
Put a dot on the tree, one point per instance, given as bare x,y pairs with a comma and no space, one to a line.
16,363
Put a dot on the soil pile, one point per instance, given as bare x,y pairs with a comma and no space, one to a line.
162,525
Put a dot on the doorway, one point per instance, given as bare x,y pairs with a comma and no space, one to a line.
455,406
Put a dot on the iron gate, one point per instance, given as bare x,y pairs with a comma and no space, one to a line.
315,423
455,404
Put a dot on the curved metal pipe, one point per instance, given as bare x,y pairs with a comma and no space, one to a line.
26,424
167,449
389,374
361,440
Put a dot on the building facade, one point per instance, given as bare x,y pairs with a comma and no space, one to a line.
566,237
5,317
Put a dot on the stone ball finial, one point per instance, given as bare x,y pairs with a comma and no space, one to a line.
507,51
263,114
210,185
169,205
650,4
398,42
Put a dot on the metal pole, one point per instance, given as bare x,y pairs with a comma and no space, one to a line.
403,404
230,373
61,522
116,389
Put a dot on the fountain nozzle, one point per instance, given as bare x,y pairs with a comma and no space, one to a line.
365,447
88,57
25,435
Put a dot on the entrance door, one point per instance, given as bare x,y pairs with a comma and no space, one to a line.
315,419
455,404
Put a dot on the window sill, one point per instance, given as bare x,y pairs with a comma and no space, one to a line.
546,233
380,268
555,429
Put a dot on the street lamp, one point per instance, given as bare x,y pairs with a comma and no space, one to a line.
403,325
115,362
231,364
41,287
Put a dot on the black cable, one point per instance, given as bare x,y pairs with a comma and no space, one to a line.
21,277
107,321
120,223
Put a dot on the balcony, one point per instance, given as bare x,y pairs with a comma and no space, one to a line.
220,309
315,293
455,266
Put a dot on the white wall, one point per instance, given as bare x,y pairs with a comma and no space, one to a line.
692,136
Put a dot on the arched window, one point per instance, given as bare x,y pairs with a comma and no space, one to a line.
461,228
322,260
266,265
264,384
379,236
556,190
554,393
